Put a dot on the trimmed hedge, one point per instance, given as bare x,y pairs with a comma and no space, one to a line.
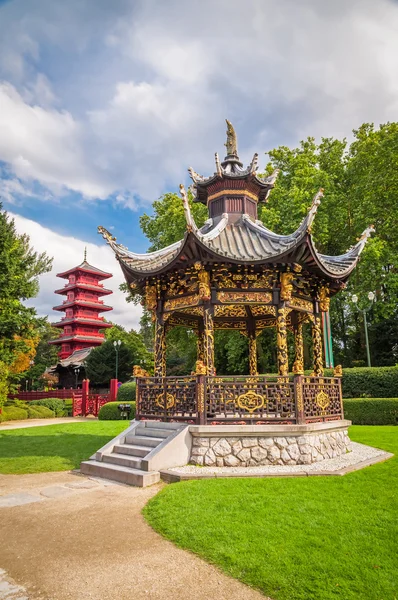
14,413
110,411
374,382
126,392
54,404
40,412
371,411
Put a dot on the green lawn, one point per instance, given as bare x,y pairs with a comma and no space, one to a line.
54,447
317,538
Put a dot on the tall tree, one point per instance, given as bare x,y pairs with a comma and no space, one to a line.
20,267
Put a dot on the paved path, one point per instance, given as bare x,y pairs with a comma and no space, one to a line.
68,537
40,422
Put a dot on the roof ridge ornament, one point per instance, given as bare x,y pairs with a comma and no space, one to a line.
232,142
218,165
191,225
313,208
254,164
105,234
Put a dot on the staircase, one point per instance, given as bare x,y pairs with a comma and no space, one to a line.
128,457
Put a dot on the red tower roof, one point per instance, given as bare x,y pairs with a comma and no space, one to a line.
87,268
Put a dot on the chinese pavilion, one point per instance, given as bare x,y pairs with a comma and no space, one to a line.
81,326
236,274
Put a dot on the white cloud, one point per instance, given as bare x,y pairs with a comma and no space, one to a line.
68,252
141,89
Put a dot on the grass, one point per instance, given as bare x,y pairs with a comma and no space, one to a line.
54,447
319,538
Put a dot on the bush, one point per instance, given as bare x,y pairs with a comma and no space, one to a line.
371,411
110,411
13,413
126,392
40,412
69,406
54,404
375,382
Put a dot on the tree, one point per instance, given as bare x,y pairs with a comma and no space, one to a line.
133,341
20,267
101,364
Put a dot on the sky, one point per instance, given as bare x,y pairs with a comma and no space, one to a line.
104,105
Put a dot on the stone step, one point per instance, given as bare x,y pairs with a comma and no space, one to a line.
143,440
119,473
123,459
132,450
160,425
153,432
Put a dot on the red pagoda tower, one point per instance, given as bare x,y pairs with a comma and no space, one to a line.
82,324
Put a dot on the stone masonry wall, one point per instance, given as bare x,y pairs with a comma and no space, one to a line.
252,451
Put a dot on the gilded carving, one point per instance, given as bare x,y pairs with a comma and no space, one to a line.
238,325
299,398
182,302
160,350
150,297
286,286
140,372
322,400
201,398
230,311
306,305
324,300
250,401
200,368
281,341
252,354
263,323
338,371
317,346
232,143
263,310
298,366
242,297
170,401
208,336
193,310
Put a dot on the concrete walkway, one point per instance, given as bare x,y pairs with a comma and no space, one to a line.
40,422
68,537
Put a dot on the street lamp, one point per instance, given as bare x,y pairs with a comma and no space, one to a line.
364,310
117,346
77,369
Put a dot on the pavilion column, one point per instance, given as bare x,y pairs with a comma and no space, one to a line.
160,347
200,345
298,367
251,336
317,345
208,339
281,341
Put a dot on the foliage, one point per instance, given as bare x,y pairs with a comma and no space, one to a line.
294,538
134,342
55,404
54,447
39,412
24,356
371,411
14,413
4,374
101,364
374,382
110,411
126,392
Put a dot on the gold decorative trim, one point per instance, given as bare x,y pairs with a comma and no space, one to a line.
250,401
306,305
233,193
170,400
244,297
263,310
322,400
182,302
230,311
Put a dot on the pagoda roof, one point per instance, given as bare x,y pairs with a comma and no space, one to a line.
101,307
84,286
87,268
243,241
77,338
76,359
83,321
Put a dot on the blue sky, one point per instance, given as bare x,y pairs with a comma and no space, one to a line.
104,105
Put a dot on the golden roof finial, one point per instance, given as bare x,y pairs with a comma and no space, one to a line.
232,142
85,254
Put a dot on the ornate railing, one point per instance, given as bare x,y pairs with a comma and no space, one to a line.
241,399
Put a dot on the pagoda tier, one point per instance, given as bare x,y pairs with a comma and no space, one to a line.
82,325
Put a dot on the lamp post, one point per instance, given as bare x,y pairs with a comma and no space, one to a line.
77,369
117,346
364,310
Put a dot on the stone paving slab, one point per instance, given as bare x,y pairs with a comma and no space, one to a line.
17,499
9,590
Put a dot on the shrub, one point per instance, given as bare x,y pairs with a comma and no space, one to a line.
69,406
13,413
126,392
375,382
110,411
54,404
371,411
40,412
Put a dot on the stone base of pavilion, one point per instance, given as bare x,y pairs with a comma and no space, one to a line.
254,445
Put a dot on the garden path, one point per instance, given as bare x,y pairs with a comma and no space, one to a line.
73,538
40,422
